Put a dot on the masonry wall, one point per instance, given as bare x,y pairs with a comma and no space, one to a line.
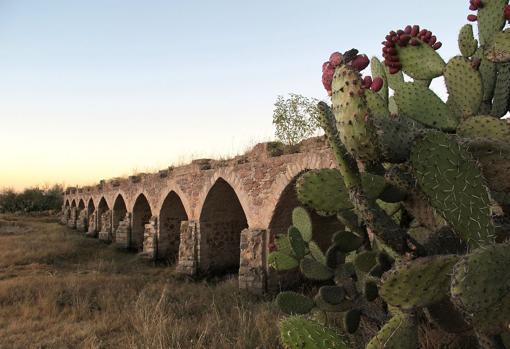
223,213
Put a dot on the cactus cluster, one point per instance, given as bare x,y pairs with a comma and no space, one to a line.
422,190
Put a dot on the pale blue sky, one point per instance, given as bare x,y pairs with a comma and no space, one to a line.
95,89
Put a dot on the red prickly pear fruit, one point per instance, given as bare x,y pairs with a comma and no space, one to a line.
437,45
393,58
336,59
389,44
400,32
477,3
432,40
507,12
475,63
428,35
405,38
408,29
414,42
473,7
394,70
423,32
415,30
377,84
392,33
388,37
325,66
367,81
327,77
393,64
360,62
472,18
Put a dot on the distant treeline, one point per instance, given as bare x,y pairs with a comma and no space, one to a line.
31,199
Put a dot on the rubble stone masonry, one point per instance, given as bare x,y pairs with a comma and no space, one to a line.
208,216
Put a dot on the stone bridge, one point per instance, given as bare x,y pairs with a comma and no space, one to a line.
206,217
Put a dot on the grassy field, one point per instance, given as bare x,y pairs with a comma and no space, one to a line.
59,289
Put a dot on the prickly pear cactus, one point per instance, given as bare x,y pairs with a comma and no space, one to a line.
422,189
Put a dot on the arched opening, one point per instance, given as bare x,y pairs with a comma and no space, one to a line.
102,207
221,221
67,211
142,214
73,204
119,212
81,205
323,229
170,218
91,208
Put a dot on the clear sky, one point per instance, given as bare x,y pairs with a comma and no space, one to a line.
94,89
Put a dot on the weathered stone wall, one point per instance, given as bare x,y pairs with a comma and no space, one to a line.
123,232
253,195
82,223
105,232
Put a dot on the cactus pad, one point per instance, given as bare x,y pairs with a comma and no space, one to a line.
467,43
464,85
395,136
490,19
414,51
334,257
398,333
378,71
420,62
501,91
351,112
299,333
282,244
297,243
421,104
485,127
347,241
332,294
323,190
494,158
448,175
498,49
294,303
314,270
302,221
418,283
365,261
482,279
281,261
351,320
378,107
316,252
370,290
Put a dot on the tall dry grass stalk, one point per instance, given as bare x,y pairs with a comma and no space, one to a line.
61,290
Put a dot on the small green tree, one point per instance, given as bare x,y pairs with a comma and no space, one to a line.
295,118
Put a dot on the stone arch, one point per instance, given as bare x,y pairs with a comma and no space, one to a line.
102,207
233,181
281,220
67,203
142,214
282,182
222,219
91,207
73,203
81,205
119,211
171,214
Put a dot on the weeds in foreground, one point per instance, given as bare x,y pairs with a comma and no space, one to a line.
61,290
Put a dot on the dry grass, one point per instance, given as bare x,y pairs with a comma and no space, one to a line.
61,290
